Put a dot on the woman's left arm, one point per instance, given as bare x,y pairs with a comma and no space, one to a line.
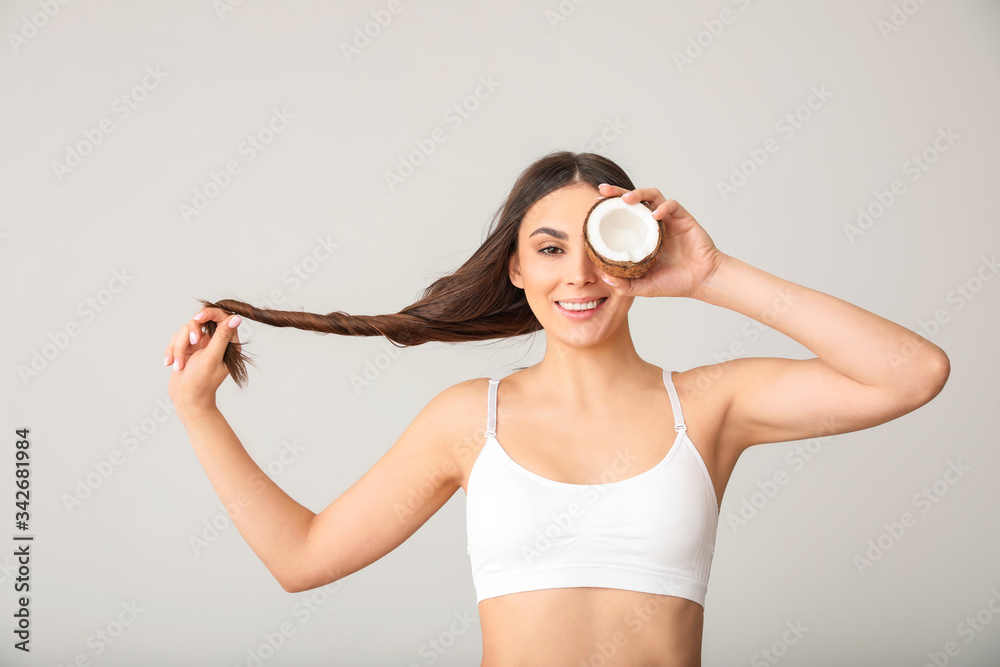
867,370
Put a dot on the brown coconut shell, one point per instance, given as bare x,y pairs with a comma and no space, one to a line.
622,268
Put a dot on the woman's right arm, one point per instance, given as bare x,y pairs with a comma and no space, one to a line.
300,548
271,522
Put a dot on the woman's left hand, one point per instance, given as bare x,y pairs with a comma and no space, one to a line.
687,257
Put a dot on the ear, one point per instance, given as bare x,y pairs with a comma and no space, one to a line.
514,270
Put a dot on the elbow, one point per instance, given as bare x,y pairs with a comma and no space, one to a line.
306,569
290,586
293,589
300,581
935,368
938,370
294,582
945,369
290,579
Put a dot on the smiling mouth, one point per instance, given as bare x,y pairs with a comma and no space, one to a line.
581,306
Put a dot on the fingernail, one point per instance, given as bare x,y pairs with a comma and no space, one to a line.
608,281
199,316
166,360
193,337
177,365
234,321
603,185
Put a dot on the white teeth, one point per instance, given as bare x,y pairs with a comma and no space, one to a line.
581,306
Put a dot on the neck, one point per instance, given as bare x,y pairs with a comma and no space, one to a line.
590,375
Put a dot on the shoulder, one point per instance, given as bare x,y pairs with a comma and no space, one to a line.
705,394
718,395
709,386
458,414
463,396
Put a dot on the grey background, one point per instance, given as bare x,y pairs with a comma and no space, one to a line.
559,84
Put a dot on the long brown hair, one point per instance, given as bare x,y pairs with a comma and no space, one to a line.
475,302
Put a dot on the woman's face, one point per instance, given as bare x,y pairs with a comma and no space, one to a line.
552,266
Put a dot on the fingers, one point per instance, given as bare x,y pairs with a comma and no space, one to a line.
189,336
651,195
673,208
206,314
192,336
224,334
196,327
610,190
621,286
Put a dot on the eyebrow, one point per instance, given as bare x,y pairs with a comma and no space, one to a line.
562,236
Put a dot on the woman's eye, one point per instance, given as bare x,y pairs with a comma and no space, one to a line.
549,247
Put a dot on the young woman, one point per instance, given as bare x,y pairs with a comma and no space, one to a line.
592,526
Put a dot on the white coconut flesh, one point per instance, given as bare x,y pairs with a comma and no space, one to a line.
622,232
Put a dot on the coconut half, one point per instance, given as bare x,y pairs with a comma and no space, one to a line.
624,240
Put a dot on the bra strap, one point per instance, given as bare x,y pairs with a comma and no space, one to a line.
491,409
674,402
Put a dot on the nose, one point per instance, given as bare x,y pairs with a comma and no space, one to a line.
582,270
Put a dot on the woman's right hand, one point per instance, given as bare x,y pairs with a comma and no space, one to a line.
197,358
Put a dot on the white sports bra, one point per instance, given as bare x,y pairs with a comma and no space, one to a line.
653,532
